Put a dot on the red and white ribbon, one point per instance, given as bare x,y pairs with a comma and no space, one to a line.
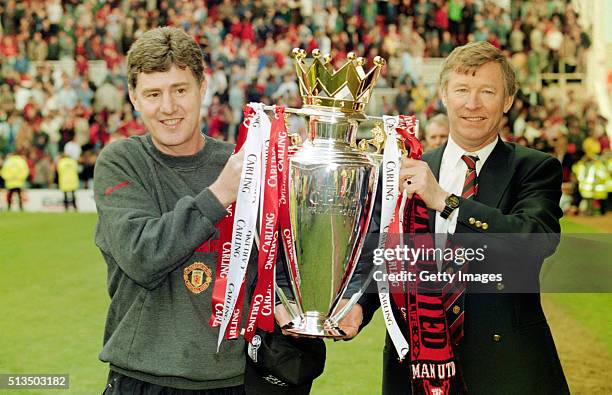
390,194
245,215
223,248
261,312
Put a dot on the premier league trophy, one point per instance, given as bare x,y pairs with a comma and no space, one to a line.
332,187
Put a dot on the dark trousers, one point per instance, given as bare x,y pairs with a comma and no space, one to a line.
119,384
70,200
9,197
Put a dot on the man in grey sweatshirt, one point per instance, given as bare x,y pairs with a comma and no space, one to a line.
159,197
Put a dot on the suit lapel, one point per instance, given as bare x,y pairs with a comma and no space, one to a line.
493,179
495,175
434,161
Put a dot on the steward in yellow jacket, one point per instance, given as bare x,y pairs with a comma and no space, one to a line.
68,179
15,172
68,174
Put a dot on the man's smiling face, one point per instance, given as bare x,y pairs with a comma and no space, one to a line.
169,104
476,102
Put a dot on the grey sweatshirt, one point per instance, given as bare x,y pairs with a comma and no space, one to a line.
154,211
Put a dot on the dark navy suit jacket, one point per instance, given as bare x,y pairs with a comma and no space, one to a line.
508,347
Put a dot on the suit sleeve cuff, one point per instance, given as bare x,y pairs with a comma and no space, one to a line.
474,215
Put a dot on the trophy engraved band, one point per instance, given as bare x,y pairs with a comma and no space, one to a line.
332,187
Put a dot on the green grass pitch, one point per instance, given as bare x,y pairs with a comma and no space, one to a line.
53,304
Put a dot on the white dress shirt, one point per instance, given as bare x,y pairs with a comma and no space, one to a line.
452,176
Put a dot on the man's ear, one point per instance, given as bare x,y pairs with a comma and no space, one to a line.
132,95
442,95
508,103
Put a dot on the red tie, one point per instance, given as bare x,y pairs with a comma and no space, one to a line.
454,298
470,185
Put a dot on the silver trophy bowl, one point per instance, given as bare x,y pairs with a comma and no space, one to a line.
332,186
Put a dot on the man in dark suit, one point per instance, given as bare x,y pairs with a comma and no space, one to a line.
505,346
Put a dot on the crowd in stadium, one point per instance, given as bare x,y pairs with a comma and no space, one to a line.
47,110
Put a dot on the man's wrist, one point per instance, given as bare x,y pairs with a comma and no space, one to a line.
222,197
440,203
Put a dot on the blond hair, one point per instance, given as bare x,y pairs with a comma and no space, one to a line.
159,49
469,57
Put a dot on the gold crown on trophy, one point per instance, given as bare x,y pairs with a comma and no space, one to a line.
347,90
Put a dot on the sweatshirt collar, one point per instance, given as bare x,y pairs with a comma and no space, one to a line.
183,162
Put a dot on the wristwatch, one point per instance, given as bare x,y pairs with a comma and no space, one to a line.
452,202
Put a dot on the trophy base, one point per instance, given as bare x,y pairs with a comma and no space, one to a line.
314,324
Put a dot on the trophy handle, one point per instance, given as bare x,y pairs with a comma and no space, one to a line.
295,140
377,142
339,315
287,303
375,145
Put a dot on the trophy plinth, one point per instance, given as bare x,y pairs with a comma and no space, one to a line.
313,324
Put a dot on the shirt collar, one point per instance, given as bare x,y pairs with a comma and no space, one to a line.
452,153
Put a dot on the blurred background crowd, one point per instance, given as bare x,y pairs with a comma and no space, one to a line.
63,88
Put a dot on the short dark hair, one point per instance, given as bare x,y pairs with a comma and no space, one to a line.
159,49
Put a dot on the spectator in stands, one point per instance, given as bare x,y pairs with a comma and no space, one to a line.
237,100
7,100
84,94
5,132
23,94
403,98
44,174
25,137
67,97
219,119
37,48
247,45
50,126
468,14
72,149
108,97
446,46
296,124
1,164
98,130
454,18
130,126
419,96
40,141
288,88
87,162
517,37
53,52
10,130
15,173
436,131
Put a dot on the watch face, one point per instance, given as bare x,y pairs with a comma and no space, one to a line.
453,201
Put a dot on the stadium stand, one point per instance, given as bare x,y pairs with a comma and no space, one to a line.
62,78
